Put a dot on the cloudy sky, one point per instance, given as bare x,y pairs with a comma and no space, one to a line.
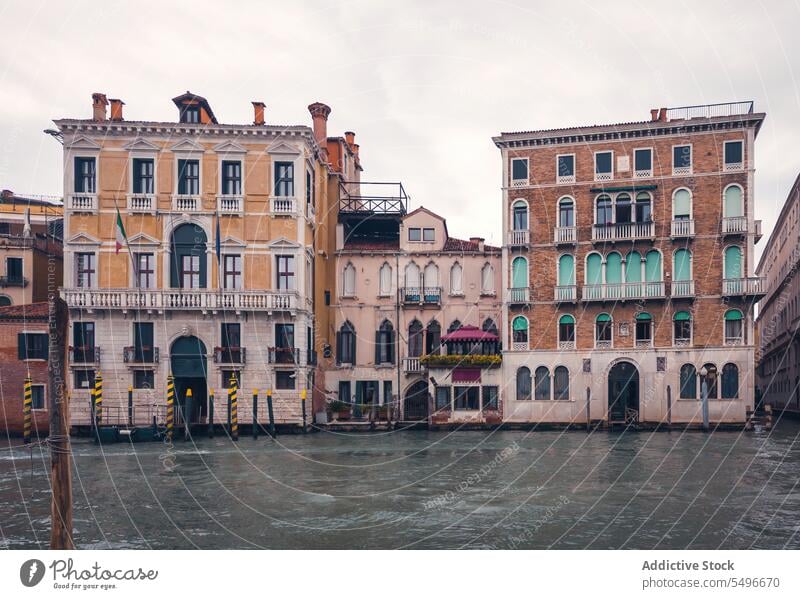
423,84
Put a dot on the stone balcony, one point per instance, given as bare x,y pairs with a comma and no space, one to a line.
682,289
565,293
82,202
565,235
623,232
682,228
519,238
624,291
748,287
141,203
283,206
518,295
230,204
412,366
187,203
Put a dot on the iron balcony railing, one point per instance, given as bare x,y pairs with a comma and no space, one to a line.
682,228
745,287
623,291
372,198
710,110
565,235
623,231
84,354
13,281
284,355
311,357
421,295
230,355
140,355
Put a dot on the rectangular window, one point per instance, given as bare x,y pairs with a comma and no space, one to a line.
37,397
84,270
734,155
284,179
565,168
32,346
14,270
190,272
83,348
733,331
344,392
284,379
145,270
188,177
387,392
519,171
415,234
226,379
230,343
285,278
442,398
190,114
143,350
681,160
143,379
284,344
603,169
231,177
84,379
467,398
85,175
143,181
310,191
643,330
490,398
232,271
643,162
428,235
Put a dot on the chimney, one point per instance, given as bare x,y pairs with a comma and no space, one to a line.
258,113
350,137
319,116
654,114
355,151
662,115
6,195
99,104
116,109
479,241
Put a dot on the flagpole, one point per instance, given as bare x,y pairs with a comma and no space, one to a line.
127,245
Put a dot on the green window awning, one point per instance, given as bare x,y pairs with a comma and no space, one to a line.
603,318
520,324
733,315
566,319
643,316
682,316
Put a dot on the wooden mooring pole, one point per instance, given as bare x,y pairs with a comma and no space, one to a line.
303,394
588,409
60,450
187,414
270,413
210,413
255,413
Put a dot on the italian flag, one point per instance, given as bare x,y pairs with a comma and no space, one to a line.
122,238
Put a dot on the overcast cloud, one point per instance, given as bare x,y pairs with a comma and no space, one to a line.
423,84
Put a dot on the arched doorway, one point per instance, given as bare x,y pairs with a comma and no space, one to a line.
188,363
415,406
623,393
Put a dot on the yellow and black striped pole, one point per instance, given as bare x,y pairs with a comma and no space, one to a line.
170,406
27,407
232,397
98,398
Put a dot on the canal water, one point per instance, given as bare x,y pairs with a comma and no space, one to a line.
412,489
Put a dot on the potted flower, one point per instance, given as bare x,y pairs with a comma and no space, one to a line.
339,409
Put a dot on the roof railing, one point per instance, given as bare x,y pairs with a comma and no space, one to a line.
372,197
706,111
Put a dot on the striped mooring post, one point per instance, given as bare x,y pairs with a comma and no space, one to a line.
170,406
232,398
27,407
98,398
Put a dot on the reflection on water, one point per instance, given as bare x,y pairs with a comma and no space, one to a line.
421,490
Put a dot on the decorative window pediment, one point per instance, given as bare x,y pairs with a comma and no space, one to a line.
83,239
81,142
142,239
283,148
188,146
283,243
229,147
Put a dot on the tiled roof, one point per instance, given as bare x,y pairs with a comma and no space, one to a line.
461,245
35,311
372,244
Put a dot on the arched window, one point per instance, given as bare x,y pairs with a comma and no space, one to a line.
520,217
633,267
681,205
730,381
623,208
519,327
346,344
456,279
644,328
614,275
561,383
384,343
603,210
604,327
566,212
433,338
523,383
412,291
519,273
710,380
454,326
5,300
385,279
542,384
644,213
566,270
682,265
732,204
431,276
489,326
349,287
594,269
682,328
652,267
487,279
415,339
566,329
688,382
733,262
733,327
188,261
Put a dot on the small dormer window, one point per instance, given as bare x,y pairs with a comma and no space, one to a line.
190,114
428,235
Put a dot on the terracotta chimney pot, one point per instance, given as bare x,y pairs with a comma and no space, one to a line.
99,103
258,113
116,109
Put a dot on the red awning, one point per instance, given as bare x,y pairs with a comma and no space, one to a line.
470,333
466,375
